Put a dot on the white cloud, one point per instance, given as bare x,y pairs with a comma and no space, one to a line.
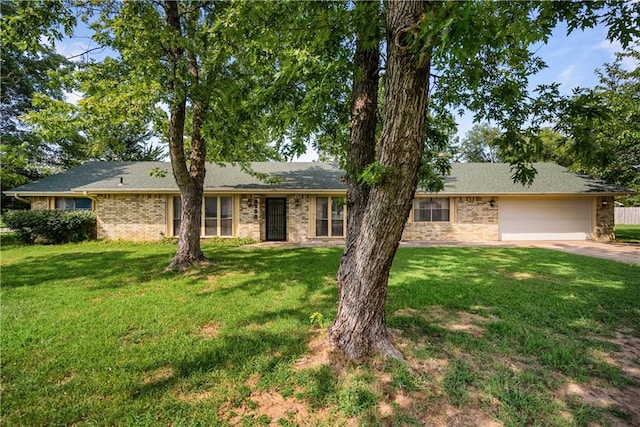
566,77
608,46
613,47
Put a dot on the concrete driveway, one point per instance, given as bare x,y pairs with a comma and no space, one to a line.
621,252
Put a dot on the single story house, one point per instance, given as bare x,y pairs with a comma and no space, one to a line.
304,202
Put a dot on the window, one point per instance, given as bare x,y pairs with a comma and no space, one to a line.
177,214
73,204
430,210
217,212
218,216
330,222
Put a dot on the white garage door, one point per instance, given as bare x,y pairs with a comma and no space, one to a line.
545,219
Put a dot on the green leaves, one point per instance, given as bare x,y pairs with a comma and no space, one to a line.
53,226
604,123
374,174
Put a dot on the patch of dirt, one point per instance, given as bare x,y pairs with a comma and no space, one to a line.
322,353
212,280
625,400
276,407
210,330
158,375
296,411
433,368
447,415
429,404
628,357
253,380
65,379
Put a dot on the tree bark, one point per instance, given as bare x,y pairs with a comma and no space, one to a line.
360,326
189,177
364,104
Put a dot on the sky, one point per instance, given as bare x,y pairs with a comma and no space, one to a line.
571,60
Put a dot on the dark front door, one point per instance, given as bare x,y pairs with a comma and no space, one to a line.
276,219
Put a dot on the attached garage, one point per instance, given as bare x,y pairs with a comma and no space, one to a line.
545,219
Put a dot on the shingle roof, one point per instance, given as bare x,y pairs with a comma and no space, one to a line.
465,179
96,177
496,178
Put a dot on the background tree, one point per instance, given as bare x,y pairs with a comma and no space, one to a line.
27,58
111,121
603,124
480,144
41,131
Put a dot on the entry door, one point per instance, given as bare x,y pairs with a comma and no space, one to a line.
276,219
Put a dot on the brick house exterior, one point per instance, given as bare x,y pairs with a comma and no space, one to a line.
479,203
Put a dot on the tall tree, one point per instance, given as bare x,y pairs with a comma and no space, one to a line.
480,52
240,81
603,124
41,131
27,59
480,144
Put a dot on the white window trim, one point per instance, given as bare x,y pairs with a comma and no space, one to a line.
312,223
218,217
56,198
234,216
413,208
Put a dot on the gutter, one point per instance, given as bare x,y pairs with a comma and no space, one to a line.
22,199
87,195
94,200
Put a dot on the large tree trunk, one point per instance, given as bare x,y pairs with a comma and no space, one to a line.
364,104
189,177
360,327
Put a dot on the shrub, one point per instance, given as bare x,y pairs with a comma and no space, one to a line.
52,226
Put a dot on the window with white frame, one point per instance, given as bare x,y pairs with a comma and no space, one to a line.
218,216
217,213
177,214
330,217
73,204
432,209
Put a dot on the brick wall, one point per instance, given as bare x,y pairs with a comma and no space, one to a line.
605,222
298,218
476,210
136,217
249,217
39,203
473,219
144,217
451,231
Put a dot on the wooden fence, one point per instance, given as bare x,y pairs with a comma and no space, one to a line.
627,215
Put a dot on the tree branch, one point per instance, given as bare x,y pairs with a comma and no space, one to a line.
85,52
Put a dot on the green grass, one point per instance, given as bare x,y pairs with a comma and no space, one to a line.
628,233
97,333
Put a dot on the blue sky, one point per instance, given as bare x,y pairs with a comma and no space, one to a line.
571,60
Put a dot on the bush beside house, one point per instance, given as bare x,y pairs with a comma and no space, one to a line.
52,226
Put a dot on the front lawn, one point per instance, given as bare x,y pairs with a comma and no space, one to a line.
628,233
97,333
